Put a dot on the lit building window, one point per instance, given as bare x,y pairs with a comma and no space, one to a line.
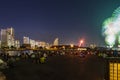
114,71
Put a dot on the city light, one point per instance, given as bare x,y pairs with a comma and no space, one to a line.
114,70
71,45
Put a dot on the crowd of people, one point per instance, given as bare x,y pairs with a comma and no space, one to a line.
35,57
40,57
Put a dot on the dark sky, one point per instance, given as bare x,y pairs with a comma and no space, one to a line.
69,20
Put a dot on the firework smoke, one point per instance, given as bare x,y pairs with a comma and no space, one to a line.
111,28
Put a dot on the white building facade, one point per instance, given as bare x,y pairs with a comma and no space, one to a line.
7,37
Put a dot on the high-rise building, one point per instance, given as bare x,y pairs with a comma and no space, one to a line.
32,43
17,44
10,37
4,38
7,37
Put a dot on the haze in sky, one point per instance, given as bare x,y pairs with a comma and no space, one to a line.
68,20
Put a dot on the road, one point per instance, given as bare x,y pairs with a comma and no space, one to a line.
59,68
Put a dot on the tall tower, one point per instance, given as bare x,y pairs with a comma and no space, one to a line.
7,37
3,38
10,37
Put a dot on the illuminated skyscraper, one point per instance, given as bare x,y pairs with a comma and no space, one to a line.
10,37
32,43
4,38
7,37
17,44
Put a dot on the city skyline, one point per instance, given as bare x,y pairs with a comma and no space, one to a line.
68,20
8,40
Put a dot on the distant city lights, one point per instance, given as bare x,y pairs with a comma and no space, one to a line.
71,45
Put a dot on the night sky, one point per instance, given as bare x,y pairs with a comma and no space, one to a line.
69,20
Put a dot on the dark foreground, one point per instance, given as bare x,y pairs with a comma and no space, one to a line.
59,68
